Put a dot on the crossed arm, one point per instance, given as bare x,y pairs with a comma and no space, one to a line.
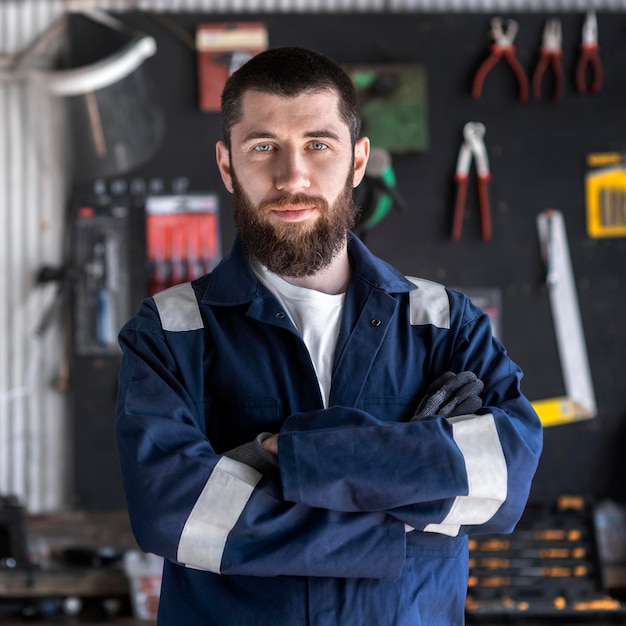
346,486
449,396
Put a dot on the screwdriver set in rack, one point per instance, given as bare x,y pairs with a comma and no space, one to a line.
547,568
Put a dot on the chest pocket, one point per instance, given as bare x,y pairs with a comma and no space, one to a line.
232,422
394,409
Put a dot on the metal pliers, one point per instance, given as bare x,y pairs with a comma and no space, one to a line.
589,56
472,146
550,52
502,47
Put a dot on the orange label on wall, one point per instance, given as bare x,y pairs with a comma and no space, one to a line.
222,49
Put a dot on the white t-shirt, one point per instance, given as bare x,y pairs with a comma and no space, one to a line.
316,315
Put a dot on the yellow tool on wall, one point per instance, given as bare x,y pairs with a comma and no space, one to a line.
605,195
579,400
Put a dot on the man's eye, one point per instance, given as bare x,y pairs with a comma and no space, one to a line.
318,145
263,147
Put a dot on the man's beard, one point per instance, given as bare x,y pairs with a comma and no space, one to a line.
293,249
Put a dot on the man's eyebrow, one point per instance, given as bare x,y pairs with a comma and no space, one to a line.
328,134
313,134
259,134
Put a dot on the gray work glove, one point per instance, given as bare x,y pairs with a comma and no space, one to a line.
254,454
450,395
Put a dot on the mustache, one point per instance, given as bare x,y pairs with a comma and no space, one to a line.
297,199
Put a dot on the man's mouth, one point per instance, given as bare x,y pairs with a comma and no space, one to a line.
296,215
293,212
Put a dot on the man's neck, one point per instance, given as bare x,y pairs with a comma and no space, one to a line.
333,279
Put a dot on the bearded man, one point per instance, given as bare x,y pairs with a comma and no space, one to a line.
307,436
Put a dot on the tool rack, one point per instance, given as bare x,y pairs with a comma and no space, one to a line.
547,568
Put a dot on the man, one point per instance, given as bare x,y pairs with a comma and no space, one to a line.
306,435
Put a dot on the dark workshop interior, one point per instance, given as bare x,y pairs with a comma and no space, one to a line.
556,190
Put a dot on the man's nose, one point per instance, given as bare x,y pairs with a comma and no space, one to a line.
292,172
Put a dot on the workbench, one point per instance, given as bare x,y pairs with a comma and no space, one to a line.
74,555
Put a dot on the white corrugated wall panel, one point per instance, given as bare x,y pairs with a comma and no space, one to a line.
33,414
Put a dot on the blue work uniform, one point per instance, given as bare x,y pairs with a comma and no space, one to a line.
322,539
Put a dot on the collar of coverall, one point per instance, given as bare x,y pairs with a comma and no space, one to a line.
232,282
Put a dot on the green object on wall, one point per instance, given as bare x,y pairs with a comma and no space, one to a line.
393,103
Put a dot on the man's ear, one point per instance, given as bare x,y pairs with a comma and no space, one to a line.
361,155
222,156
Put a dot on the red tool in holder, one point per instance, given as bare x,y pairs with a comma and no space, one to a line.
502,47
472,146
589,56
183,238
550,56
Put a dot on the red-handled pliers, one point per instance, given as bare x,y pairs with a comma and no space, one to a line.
472,146
503,46
550,52
589,56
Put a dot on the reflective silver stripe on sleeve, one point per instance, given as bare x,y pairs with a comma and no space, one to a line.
178,308
214,515
429,303
477,438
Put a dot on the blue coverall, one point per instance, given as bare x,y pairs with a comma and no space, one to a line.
320,540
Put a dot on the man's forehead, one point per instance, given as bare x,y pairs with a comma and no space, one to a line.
253,98
318,108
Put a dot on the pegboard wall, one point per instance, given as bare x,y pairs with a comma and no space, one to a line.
537,150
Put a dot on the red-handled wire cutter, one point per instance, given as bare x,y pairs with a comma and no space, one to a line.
472,146
589,56
502,47
550,52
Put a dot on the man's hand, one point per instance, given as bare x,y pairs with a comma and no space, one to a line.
256,454
450,395
271,444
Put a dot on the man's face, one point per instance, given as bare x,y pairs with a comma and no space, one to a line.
292,168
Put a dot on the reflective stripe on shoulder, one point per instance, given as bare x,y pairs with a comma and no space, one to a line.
487,474
214,515
178,308
429,303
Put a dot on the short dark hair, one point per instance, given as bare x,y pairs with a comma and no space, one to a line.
289,72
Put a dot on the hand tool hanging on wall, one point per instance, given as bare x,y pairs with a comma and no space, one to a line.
377,194
550,56
579,401
472,146
589,57
503,47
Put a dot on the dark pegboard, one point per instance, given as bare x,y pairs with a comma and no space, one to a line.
537,151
